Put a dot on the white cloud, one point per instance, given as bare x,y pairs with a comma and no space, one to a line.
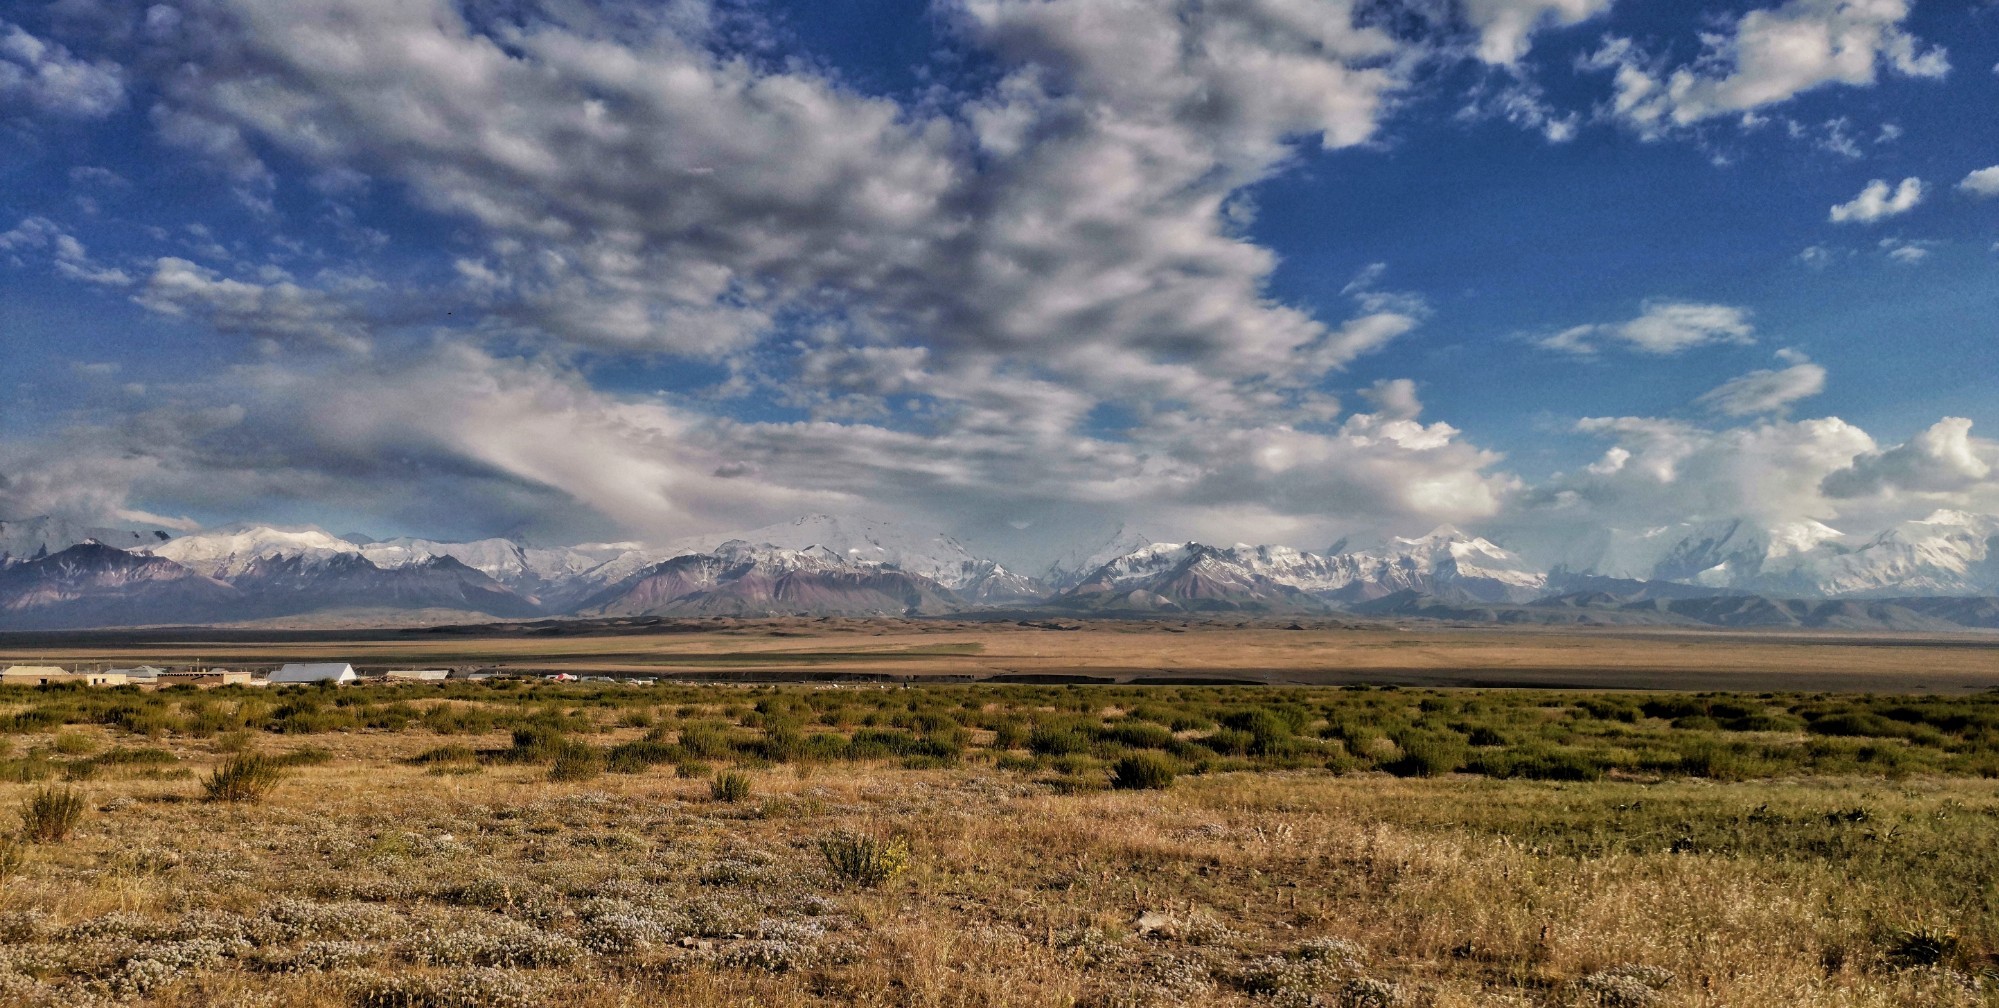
70,258
1661,328
1905,251
1505,27
1983,182
1878,202
1662,472
1769,56
1767,391
278,310
48,77
1942,460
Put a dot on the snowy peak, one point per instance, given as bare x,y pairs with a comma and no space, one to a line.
869,544
27,539
1080,562
231,551
1948,553
1446,560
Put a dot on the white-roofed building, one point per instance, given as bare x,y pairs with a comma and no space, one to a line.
303,673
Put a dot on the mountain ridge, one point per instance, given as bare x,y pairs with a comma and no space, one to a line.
845,565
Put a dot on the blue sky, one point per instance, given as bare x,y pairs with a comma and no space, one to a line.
1271,270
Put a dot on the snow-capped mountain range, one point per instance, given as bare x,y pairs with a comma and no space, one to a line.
55,574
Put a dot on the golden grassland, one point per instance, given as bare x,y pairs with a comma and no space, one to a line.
1321,653
401,866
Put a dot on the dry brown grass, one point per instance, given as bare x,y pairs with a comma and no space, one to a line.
1454,892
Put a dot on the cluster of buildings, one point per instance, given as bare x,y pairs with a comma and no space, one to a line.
291,674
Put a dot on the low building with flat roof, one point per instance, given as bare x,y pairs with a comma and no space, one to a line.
45,675
418,675
204,677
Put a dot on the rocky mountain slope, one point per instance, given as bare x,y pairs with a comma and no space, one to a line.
91,584
740,579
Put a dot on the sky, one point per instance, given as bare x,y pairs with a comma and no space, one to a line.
1270,271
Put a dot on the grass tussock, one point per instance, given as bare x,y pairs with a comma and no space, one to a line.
864,860
730,786
244,778
51,814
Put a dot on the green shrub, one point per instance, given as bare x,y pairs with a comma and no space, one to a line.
453,753
730,786
1143,771
705,741
1428,755
864,860
73,744
537,743
245,777
1058,741
1706,758
576,762
640,755
1539,763
51,814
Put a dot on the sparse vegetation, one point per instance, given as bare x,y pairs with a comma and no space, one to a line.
244,777
51,814
1316,846
865,860
1144,771
729,786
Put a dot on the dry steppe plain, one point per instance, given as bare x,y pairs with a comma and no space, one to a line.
1318,652
1826,833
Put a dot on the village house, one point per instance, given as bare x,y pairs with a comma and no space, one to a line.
44,675
205,677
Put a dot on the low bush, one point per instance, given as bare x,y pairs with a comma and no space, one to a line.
864,860
641,755
730,786
245,777
576,762
1428,755
1143,771
51,814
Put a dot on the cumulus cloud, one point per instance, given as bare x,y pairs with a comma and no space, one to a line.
1878,202
1943,459
1983,182
1659,472
1661,328
1768,56
47,77
1767,391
